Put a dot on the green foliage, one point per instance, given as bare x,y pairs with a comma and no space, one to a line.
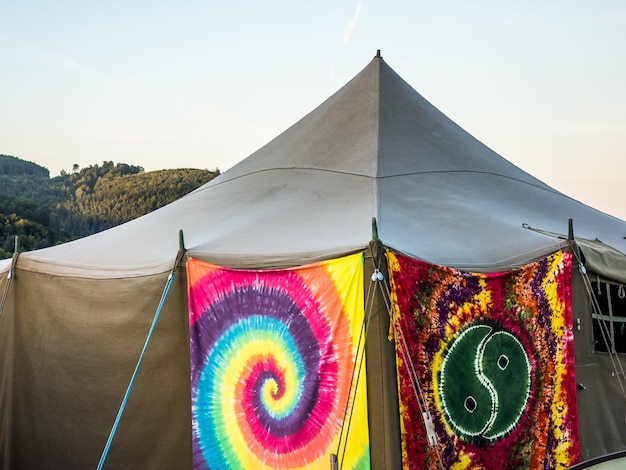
34,224
44,212
10,165
100,200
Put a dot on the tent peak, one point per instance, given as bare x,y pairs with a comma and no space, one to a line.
378,54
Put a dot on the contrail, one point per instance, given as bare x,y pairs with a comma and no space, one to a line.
351,24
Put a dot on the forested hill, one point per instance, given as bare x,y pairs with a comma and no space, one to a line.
46,211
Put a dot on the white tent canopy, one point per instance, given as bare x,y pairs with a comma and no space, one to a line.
375,149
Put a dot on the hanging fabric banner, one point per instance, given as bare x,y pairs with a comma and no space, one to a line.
272,356
489,360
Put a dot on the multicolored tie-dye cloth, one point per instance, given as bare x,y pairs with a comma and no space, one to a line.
272,356
494,357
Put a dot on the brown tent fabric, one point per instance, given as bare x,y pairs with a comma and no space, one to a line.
76,315
72,345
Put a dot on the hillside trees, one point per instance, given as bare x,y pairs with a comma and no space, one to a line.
100,198
34,224
10,165
44,212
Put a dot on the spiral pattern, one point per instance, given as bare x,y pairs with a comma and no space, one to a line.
270,356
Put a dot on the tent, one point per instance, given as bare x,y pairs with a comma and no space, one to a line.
375,165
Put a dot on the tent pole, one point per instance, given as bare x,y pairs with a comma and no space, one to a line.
181,241
380,364
375,230
11,273
570,230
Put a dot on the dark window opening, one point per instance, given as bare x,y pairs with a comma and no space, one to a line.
609,324
599,339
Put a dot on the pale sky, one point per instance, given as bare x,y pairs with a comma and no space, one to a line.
203,84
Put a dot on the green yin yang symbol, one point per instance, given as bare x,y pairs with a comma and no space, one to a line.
484,383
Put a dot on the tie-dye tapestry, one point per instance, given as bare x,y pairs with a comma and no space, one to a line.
493,358
272,357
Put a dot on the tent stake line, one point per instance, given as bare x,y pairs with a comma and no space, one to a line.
166,289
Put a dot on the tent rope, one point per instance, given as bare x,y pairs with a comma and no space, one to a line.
168,284
596,309
415,382
354,382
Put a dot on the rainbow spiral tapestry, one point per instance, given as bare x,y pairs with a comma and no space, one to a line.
277,366
487,361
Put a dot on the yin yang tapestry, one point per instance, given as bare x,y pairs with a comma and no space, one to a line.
277,366
491,356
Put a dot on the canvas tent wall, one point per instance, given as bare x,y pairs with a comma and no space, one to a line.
76,315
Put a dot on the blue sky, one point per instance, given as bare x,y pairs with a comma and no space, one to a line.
205,83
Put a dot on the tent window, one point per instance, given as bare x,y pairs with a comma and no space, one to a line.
609,325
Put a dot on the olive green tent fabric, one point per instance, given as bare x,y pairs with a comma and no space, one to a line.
69,347
603,259
7,338
601,400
